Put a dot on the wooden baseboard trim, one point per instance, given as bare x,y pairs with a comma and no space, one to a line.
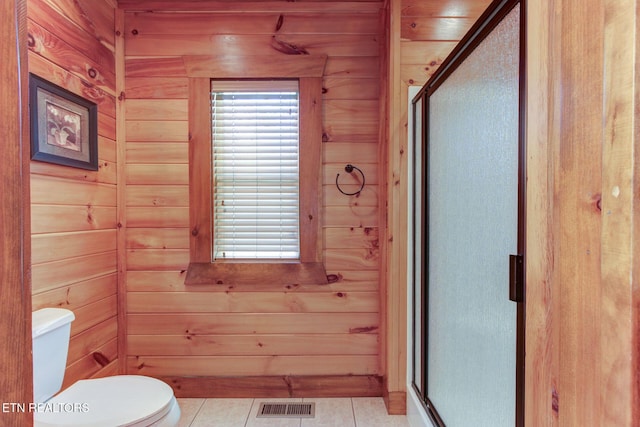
396,402
277,386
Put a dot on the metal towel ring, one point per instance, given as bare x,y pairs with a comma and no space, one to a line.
349,168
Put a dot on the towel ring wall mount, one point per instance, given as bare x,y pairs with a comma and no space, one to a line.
349,169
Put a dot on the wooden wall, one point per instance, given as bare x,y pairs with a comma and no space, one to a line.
583,300
74,211
265,330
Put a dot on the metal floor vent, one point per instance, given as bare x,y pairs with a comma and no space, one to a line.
286,410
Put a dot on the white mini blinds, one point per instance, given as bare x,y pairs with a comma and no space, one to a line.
255,137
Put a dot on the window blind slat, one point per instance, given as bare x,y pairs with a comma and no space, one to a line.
255,172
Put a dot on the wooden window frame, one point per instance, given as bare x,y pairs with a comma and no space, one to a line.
309,270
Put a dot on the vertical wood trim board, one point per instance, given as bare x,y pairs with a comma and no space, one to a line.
200,169
617,202
310,169
635,289
15,321
577,214
396,238
541,369
121,190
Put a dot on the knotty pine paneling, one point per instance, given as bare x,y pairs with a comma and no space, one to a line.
71,245
341,153
158,152
73,211
252,323
173,281
158,174
157,195
52,275
88,366
55,50
197,44
142,24
78,294
299,344
158,217
309,6
60,218
230,366
429,32
253,302
265,329
152,238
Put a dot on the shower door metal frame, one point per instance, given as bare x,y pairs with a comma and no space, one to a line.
494,14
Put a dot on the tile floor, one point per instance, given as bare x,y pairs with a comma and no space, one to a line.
330,412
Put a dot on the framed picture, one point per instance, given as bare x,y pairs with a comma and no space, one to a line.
64,126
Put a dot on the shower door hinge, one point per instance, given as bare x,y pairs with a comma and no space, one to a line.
516,278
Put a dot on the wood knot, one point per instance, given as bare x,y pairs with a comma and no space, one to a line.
194,232
287,48
341,294
279,23
333,278
597,201
134,32
413,25
100,358
362,329
92,73
31,41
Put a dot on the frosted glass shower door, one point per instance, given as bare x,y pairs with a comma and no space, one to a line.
472,221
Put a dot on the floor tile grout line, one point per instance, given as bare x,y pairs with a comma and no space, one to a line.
353,412
195,417
246,420
199,413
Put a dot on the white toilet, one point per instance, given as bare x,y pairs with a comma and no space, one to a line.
122,400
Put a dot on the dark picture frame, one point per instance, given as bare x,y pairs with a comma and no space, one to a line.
63,125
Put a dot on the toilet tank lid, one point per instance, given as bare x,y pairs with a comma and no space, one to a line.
48,319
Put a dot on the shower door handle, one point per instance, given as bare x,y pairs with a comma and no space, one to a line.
516,278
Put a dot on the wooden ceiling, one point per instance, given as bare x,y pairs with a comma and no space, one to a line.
410,8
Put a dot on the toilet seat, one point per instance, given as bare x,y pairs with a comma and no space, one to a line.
122,400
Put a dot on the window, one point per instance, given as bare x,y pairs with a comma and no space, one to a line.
255,140
205,268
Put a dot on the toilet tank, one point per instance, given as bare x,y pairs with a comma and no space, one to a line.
50,328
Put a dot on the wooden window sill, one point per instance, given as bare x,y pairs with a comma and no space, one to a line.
256,273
